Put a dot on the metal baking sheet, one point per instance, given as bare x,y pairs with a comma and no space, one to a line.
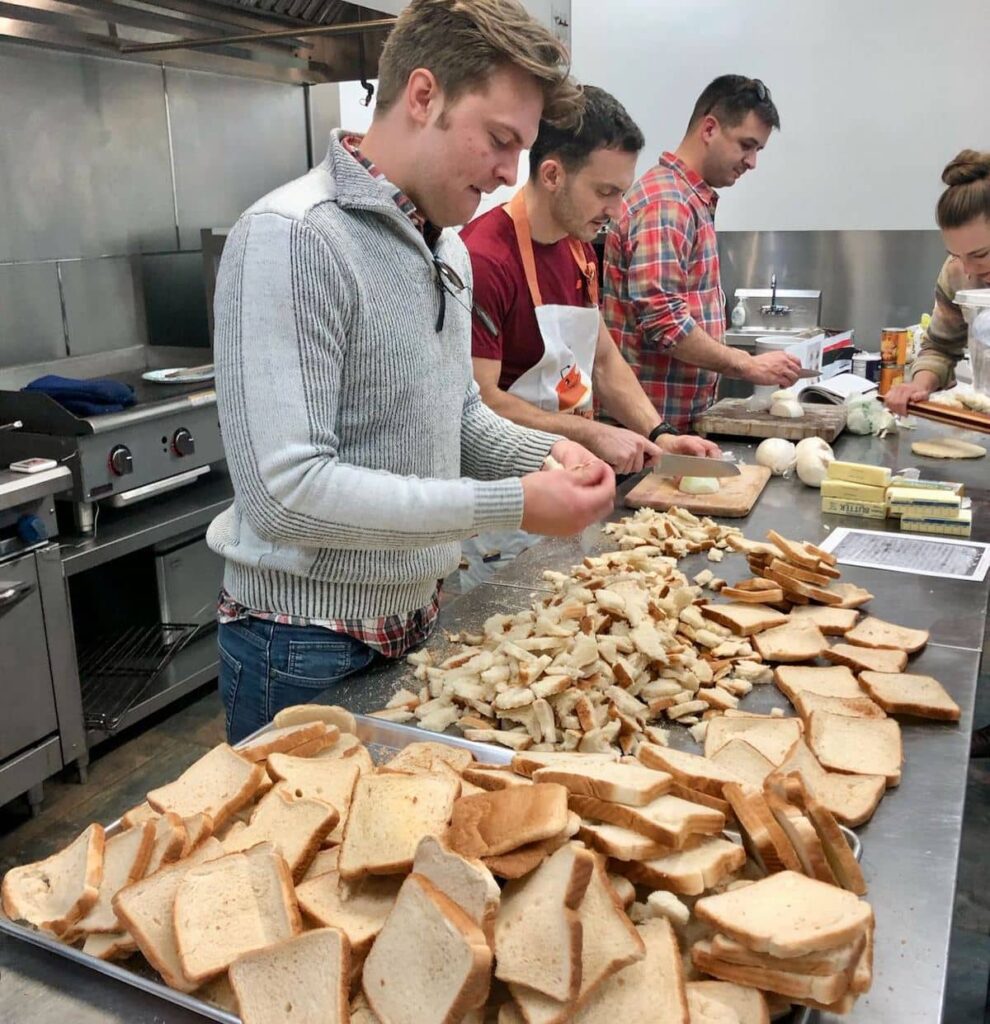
383,739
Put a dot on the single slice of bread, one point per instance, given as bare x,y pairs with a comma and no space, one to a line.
787,915
125,857
197,828
492,777
609,942
849,594
803,837
294,827
828,961
840,857
695,796
330,714
521,861
867,658
834,681
668,819
704,1010
231,906
359,909
109,945
691,770
790,643
858,746
831,620
621,843
323,863
527,762
852,799
826,988
874,632
430,962
650,991
466,881
748,1004
743,618
689,872
761,832
907,694
285,739
218,784
772,737
138,815
743,760
632,784
390,813
493,823
855,707
424,757
331,781
302,980
146,907
170,840
538,933
54,893
347,745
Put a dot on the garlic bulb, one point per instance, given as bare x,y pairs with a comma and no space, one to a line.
813,456
787,408
777,455
698,484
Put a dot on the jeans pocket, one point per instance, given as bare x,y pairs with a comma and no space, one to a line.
313,666
230,678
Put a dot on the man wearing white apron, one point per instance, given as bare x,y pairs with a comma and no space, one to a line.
541,352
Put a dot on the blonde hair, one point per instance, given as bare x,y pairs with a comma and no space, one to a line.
463,42
967,197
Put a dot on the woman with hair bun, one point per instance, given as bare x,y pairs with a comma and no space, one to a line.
963,215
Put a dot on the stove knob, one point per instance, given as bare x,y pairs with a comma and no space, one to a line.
183,443
121,460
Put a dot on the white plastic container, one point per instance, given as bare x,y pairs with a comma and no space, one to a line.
975,306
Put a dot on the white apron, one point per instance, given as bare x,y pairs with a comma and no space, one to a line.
559,382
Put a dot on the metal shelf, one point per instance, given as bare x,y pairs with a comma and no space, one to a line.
160,519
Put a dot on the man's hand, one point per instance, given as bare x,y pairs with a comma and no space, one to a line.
624,450
899,395
778,368
565,501
689,444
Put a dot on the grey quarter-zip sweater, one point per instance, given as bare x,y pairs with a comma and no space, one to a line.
359,448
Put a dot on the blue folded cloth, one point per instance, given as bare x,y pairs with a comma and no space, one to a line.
85,397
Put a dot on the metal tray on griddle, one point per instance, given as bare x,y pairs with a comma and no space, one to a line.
383,740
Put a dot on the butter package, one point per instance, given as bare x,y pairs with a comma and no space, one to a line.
910,499
853,492
859,473
928,485
960,527
844,507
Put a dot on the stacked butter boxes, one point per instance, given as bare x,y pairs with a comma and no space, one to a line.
923,506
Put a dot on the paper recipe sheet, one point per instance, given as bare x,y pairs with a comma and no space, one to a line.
910,553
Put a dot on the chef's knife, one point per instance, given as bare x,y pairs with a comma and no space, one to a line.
692,465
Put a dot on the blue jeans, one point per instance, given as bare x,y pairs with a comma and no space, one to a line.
265,666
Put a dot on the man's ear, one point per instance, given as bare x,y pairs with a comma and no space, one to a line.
423,96
709,128
551,174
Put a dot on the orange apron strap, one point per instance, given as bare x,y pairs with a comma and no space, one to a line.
516,209
588,268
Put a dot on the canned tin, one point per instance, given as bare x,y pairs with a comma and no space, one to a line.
890,375
894,345
867,364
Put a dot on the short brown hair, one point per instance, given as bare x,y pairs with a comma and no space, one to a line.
967,197
729,98
464,41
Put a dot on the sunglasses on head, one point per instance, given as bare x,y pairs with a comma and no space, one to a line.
754,87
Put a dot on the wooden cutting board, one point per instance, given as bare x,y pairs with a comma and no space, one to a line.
731,418
734,499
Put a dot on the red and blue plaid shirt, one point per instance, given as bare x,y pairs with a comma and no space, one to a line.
389,635
661,280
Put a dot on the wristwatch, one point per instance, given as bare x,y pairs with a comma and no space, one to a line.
661,428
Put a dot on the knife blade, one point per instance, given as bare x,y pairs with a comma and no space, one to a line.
693,465
805,374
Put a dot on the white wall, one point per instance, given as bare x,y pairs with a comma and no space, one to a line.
875,96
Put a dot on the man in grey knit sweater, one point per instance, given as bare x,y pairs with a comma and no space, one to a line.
360,451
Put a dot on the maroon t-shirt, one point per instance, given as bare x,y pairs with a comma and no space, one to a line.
500,290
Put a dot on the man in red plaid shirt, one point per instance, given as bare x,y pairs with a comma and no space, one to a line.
663,301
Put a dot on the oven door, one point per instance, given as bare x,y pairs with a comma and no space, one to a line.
27,698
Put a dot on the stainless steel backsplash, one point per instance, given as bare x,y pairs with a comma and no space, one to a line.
869,279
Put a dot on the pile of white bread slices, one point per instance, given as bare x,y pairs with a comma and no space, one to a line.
292,880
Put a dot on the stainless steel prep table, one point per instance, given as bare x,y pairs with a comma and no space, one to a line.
911,846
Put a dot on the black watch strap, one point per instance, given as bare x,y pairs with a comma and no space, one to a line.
661,428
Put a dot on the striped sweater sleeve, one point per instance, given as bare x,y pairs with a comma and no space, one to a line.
279,362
